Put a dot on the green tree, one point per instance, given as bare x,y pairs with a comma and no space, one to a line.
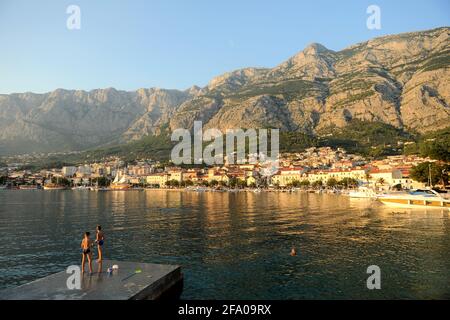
332,183
223,184
296,141
233,182
411,148
439,173
295,184
241,183
173,183
61,181
436,145
381,181
305,183
205,183
3,179
317,184
348,182
101,181
214,183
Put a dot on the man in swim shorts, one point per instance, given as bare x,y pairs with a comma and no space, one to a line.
86,245
100,240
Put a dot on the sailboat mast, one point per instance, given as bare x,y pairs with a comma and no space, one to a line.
429,176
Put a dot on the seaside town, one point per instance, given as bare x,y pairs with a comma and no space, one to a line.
323,169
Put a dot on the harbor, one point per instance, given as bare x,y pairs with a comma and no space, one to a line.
224,159
221,238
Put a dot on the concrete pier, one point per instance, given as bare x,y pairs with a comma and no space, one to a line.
132,281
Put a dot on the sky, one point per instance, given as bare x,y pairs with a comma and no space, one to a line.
175,44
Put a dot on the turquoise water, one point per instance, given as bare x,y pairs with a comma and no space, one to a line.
235,245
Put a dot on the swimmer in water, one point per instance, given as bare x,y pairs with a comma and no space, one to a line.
293,252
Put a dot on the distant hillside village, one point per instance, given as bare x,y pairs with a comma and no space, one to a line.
315,168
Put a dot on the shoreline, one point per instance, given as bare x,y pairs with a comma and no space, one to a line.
200,189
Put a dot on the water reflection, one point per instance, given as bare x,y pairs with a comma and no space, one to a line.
235,245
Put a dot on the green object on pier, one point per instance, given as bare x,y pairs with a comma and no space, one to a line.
135,272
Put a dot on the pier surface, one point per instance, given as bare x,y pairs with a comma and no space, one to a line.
132,281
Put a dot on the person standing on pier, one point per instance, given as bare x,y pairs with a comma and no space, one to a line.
100,240
86,245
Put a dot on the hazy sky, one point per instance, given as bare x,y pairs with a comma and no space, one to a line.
176,44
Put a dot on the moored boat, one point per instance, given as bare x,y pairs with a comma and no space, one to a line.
415,199
362,192
51,186
99,189
28,187
81,188
120,184
120,187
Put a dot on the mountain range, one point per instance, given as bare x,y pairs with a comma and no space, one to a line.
400,80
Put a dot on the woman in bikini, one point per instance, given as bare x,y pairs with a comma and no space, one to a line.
86,245
100,240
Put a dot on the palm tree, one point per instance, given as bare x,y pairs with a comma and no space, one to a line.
380,181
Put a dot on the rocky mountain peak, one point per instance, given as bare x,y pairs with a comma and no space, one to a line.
235,79
315,49
315,61
193,91
401,80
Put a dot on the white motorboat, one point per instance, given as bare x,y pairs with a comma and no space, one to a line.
362,192
416,199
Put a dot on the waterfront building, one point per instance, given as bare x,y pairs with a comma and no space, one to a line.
317,175
338,175
134,180
139,170
69,171
157,179
176,174
192,175
84,170
251,181
386,177
285,176
344,164
357,174
234,174
218,174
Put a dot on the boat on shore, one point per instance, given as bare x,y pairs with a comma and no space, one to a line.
120,187
98,189
3,187
415,199
120,184
362,193
80,188
28,187
51,187
197,189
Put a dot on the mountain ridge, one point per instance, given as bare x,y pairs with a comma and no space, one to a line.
400,80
